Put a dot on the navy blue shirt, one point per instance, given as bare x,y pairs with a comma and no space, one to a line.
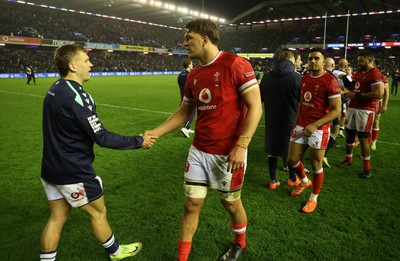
182,81
70,128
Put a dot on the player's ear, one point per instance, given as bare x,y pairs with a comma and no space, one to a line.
205,40
71,66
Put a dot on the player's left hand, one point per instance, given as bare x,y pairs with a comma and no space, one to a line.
309,129
236,159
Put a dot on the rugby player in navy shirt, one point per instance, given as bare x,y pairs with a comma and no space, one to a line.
70,129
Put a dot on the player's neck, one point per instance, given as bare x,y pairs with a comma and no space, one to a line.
317,73
209,55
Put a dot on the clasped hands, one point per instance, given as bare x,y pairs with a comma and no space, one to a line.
148,139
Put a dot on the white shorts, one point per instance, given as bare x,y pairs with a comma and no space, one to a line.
77,195
210,170
318,140
359,119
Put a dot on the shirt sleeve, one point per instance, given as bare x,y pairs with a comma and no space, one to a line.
91,124
334,89
243,73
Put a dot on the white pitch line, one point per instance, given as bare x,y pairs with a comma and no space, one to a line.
101,104
133,109
23,94
145,110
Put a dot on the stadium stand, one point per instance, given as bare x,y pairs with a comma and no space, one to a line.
36,22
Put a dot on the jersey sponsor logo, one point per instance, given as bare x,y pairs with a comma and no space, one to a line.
207,107
94,123
357,85
308,96
205,95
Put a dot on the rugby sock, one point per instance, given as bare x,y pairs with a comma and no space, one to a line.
272,165
366,163
292,174
375,133
299,169
111,245
314,197
48,256
184,250
349,157
240,234
317,180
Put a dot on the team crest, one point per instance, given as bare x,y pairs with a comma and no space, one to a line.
216,78
307,96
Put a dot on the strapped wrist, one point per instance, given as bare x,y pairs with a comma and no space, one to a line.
243,141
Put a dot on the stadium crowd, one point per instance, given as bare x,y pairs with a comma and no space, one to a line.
45,23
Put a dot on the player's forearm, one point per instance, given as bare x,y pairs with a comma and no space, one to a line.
171,124
251,121
385,99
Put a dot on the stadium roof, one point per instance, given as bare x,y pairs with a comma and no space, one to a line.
234,11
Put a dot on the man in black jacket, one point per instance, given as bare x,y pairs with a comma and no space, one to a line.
281,91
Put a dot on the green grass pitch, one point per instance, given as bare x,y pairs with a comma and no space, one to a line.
356,219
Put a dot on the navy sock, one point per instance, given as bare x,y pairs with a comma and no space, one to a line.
272,165
111,245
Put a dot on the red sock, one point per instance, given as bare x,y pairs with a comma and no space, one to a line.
349,157
184,250
375,133
240,234
317,180
367,164
299,169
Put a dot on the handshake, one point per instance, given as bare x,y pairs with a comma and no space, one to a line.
149,138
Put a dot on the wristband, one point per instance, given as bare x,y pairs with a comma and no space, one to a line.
243,142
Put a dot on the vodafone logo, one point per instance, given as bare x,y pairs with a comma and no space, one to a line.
357,85
205,95
5,38
307,96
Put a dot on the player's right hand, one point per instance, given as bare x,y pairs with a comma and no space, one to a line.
148,140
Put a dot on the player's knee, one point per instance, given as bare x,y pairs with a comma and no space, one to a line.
292,161
363,135
193,205
350,136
